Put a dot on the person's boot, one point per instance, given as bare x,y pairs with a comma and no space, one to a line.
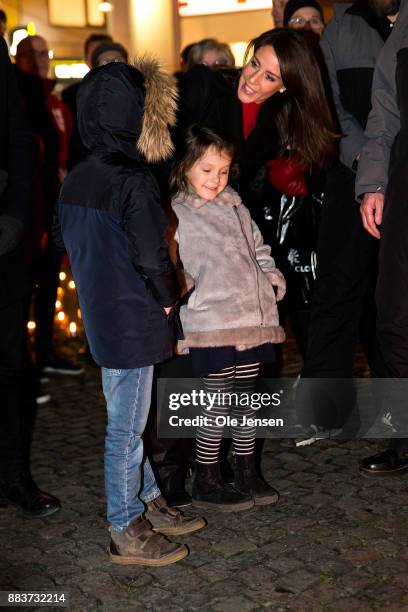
23,493
172,485
138,544
248,481
211,492
388,463
170,521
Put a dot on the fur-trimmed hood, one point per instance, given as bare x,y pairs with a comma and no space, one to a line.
128,110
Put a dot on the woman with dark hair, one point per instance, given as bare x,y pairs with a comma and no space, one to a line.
276,105
276,113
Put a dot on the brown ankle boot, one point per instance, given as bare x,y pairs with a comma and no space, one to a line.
212,493
138,544
247,480
170,521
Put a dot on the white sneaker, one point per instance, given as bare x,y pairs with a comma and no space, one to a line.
317,433
44,398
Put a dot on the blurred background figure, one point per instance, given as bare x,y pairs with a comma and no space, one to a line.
3,23
51,122
278,6
304,15
32,57
210,52
184,56
108,52
17,160
77,150
183,61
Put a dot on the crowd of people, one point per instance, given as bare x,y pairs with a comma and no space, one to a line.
193,200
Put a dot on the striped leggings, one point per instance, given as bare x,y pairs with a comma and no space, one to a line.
236,380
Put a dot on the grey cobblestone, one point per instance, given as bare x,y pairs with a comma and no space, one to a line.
334,542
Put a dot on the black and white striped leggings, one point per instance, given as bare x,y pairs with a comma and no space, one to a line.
237,379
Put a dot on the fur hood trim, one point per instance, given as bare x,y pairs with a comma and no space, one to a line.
228,197
155,142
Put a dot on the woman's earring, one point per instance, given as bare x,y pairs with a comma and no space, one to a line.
282,90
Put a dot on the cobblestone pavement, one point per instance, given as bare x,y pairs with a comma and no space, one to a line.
335,542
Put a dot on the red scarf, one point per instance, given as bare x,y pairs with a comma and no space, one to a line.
250,113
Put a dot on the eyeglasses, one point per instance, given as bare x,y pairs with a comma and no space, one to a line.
300,22
34,53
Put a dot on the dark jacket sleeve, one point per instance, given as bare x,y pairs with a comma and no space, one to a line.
16,160
17,149
145,224
384,119
352,139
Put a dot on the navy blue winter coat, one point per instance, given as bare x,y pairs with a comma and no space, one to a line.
112,225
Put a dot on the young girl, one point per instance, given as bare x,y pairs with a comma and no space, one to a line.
230,321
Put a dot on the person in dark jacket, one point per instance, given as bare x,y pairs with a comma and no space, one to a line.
50,120
384,214
112,225
16,187
343,302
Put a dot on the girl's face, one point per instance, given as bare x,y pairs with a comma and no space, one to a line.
261,77
209,175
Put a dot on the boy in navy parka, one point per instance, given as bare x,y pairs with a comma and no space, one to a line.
112,225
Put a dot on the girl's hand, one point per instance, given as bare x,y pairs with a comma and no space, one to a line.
278,282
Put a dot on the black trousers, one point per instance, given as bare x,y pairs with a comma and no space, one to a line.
11,349
46,276
392,288
343,306
170,457
392,307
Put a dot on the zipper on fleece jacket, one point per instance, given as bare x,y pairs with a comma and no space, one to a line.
254,260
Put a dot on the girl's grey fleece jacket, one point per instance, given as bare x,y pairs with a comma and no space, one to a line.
233,302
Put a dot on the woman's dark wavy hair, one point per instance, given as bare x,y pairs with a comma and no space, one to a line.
303,118
196,141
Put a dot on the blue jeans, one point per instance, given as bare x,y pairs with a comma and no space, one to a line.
128,480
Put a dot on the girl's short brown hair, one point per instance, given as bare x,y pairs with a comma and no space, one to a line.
197,141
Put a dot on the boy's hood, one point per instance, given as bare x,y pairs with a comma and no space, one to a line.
128,109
